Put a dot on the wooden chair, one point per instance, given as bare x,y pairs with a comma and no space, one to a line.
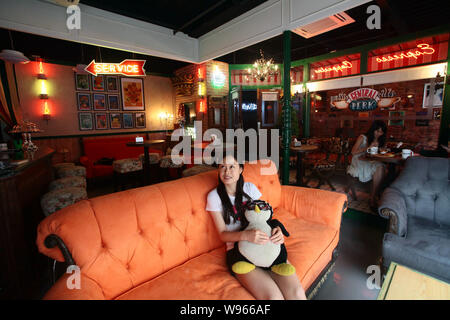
325,167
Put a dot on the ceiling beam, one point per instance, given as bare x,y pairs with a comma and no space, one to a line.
266,21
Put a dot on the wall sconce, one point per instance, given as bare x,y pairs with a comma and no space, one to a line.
201,82
201,89
43,94
201,76
46,115
202,106
166,119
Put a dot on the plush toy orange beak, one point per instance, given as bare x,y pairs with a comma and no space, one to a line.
257,210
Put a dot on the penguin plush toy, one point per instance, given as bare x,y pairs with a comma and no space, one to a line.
249,255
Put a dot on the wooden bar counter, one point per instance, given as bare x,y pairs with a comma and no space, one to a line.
21,266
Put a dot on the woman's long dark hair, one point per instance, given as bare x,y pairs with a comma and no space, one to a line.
377,124
228,210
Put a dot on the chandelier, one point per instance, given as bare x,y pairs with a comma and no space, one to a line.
263,68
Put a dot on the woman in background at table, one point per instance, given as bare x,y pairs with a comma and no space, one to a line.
369,170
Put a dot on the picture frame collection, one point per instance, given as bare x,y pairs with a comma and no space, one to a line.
109,102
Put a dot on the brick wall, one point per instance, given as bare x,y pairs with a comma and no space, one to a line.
325,120
210,90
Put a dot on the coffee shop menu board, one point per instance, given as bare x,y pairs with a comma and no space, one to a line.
102,95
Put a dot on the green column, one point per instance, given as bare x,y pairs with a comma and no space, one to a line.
306,102
286,133
445,112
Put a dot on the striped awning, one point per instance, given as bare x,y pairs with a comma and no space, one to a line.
337,67
419,51
243,78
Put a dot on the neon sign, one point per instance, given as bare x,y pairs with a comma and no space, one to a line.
131,68
336,68
218,78
425,47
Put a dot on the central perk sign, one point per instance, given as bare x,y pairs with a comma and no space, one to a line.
130,68
363,99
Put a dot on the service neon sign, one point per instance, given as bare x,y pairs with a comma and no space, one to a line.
130,68
423,49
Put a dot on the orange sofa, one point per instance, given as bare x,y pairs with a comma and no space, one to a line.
158,242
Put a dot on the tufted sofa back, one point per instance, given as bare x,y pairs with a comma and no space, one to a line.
425,185
124,239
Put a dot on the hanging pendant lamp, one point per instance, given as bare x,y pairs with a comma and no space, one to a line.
11,55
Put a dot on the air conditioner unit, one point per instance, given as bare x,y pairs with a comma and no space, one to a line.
324,25
64,3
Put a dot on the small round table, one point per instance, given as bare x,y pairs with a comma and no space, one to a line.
304,148
146,145
392,161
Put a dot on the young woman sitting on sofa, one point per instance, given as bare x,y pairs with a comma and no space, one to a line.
226,204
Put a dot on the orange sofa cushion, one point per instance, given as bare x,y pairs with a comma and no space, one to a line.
128,244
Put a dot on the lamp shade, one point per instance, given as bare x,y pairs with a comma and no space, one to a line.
13,56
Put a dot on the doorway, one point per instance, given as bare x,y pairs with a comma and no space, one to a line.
249,110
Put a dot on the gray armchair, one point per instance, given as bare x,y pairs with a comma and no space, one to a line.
418,206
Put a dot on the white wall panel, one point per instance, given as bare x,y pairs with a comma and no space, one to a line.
98,27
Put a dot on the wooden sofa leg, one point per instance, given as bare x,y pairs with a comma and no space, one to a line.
115,181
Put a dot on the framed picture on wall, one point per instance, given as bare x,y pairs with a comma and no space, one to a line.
85,121
112,84
84,101
99,102
132,94
115,120
128,120
140,120
396,118
82,82
113,102
98,83
101,121
437,114
437,96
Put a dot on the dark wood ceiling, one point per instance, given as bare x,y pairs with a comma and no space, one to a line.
197,17
194,18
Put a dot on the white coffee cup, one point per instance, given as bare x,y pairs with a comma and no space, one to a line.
407,153
372,150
